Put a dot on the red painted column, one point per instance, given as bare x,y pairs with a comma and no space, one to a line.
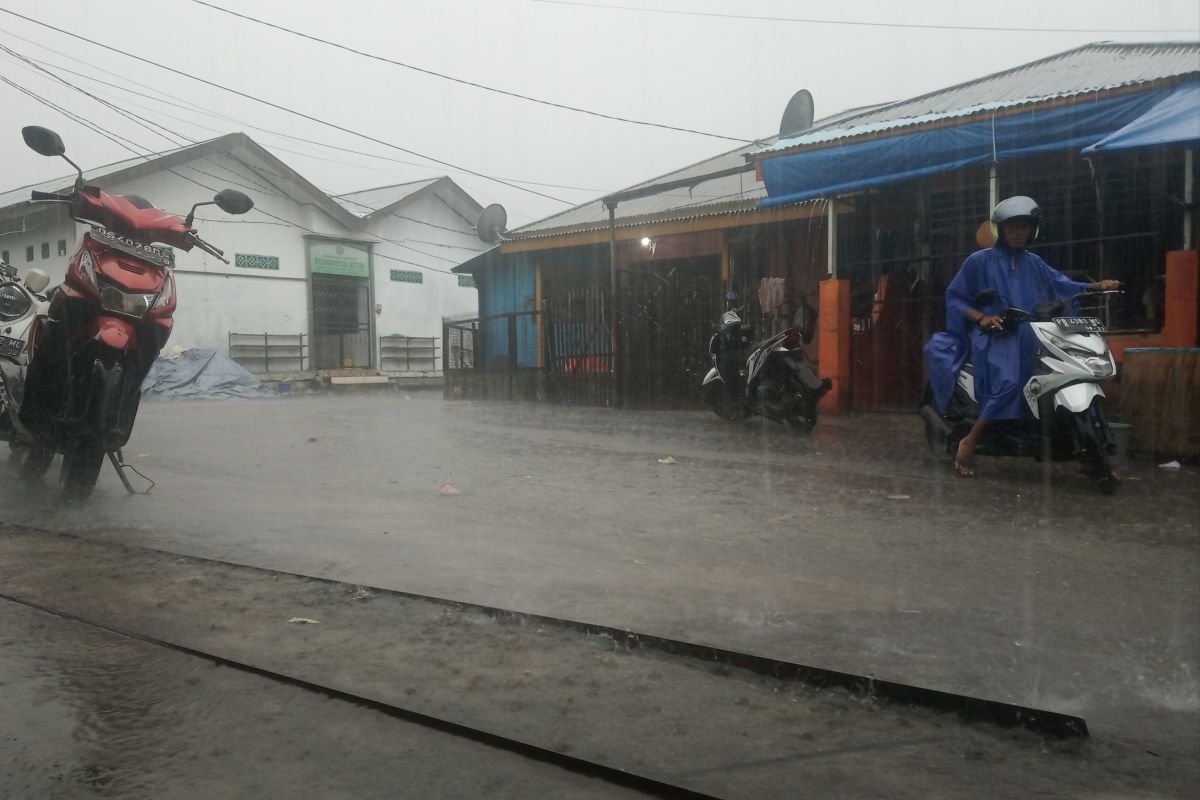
833,321
1182,298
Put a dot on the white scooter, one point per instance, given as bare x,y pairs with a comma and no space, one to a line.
20,304
1066,404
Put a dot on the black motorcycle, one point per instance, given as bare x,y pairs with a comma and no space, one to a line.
772,378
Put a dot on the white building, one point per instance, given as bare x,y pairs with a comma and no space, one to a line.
335,274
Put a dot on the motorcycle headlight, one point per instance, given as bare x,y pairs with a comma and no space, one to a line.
167,294
88,269
14,303
1101,367
134,304
1071,348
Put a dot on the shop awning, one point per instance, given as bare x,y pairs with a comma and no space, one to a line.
825,171
1173,120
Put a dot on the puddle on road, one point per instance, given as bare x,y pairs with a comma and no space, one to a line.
89,714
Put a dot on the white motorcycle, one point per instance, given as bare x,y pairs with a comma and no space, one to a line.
1065,419
20,303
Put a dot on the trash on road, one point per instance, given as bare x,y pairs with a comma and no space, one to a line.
1170,465
899,497
304,621
668,460
449,488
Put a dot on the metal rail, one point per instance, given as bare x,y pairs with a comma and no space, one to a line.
1047,723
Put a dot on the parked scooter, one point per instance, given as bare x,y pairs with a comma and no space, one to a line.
90,345
20,303
1065,420
772,378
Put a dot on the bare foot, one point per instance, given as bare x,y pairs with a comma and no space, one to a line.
964,460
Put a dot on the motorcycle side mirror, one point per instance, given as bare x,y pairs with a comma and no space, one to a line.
232,201
986,296
36,280
731,296
43,141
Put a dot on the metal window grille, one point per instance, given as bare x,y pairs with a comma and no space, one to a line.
29,253
45,249
407,276
62,247
250,261
466,281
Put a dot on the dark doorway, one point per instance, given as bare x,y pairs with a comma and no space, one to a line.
341,322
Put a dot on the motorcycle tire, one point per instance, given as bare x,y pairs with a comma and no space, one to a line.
83,459
80,470
31,462
1097,462
718,400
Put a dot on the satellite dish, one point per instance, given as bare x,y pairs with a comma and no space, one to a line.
798,116
490,227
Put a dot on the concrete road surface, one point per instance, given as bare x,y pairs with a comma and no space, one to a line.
849,548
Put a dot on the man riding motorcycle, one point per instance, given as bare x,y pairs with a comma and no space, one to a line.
1002,364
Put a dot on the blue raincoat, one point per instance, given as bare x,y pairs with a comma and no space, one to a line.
1003,362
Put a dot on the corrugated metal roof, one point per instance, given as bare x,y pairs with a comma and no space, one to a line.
366,202
1100,67
729,194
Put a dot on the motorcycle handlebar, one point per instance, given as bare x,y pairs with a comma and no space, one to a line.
49,197
206,247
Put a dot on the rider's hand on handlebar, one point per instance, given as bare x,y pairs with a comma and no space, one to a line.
1108,285
991,323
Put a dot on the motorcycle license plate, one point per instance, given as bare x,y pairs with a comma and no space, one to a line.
11,347
1080,325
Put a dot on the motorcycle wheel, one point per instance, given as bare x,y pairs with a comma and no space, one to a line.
1097,463
31,461
719,401
80,469
806,421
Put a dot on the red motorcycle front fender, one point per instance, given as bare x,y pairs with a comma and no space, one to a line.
117,334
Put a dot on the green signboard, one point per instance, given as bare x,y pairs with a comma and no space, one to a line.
337,258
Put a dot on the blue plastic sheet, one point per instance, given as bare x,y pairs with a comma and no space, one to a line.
201,374
1173,120
828,171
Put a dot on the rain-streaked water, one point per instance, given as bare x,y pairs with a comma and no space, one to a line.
89,714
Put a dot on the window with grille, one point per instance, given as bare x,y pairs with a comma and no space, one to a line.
466,281
407,276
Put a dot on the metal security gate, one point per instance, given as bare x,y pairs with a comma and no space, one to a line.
341,322
666,318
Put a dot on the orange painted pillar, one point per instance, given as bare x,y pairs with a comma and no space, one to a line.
1182,298
833,320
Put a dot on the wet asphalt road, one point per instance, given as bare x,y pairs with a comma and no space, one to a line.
849,549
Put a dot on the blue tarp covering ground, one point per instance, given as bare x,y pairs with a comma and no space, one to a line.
1173,120
201,374
828,171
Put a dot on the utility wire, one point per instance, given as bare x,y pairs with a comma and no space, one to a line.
469,83
814,21
134,148
285,109
193,107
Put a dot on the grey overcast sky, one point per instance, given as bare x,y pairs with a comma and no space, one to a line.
697,70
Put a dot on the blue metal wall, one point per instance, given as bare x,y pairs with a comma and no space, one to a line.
506,288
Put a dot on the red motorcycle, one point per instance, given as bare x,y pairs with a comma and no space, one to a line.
102,328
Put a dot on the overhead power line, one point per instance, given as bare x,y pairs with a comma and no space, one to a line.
285,109
198,109
856,23
145,153
465,82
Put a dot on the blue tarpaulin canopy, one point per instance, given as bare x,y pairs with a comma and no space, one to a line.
826,171
1173,120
